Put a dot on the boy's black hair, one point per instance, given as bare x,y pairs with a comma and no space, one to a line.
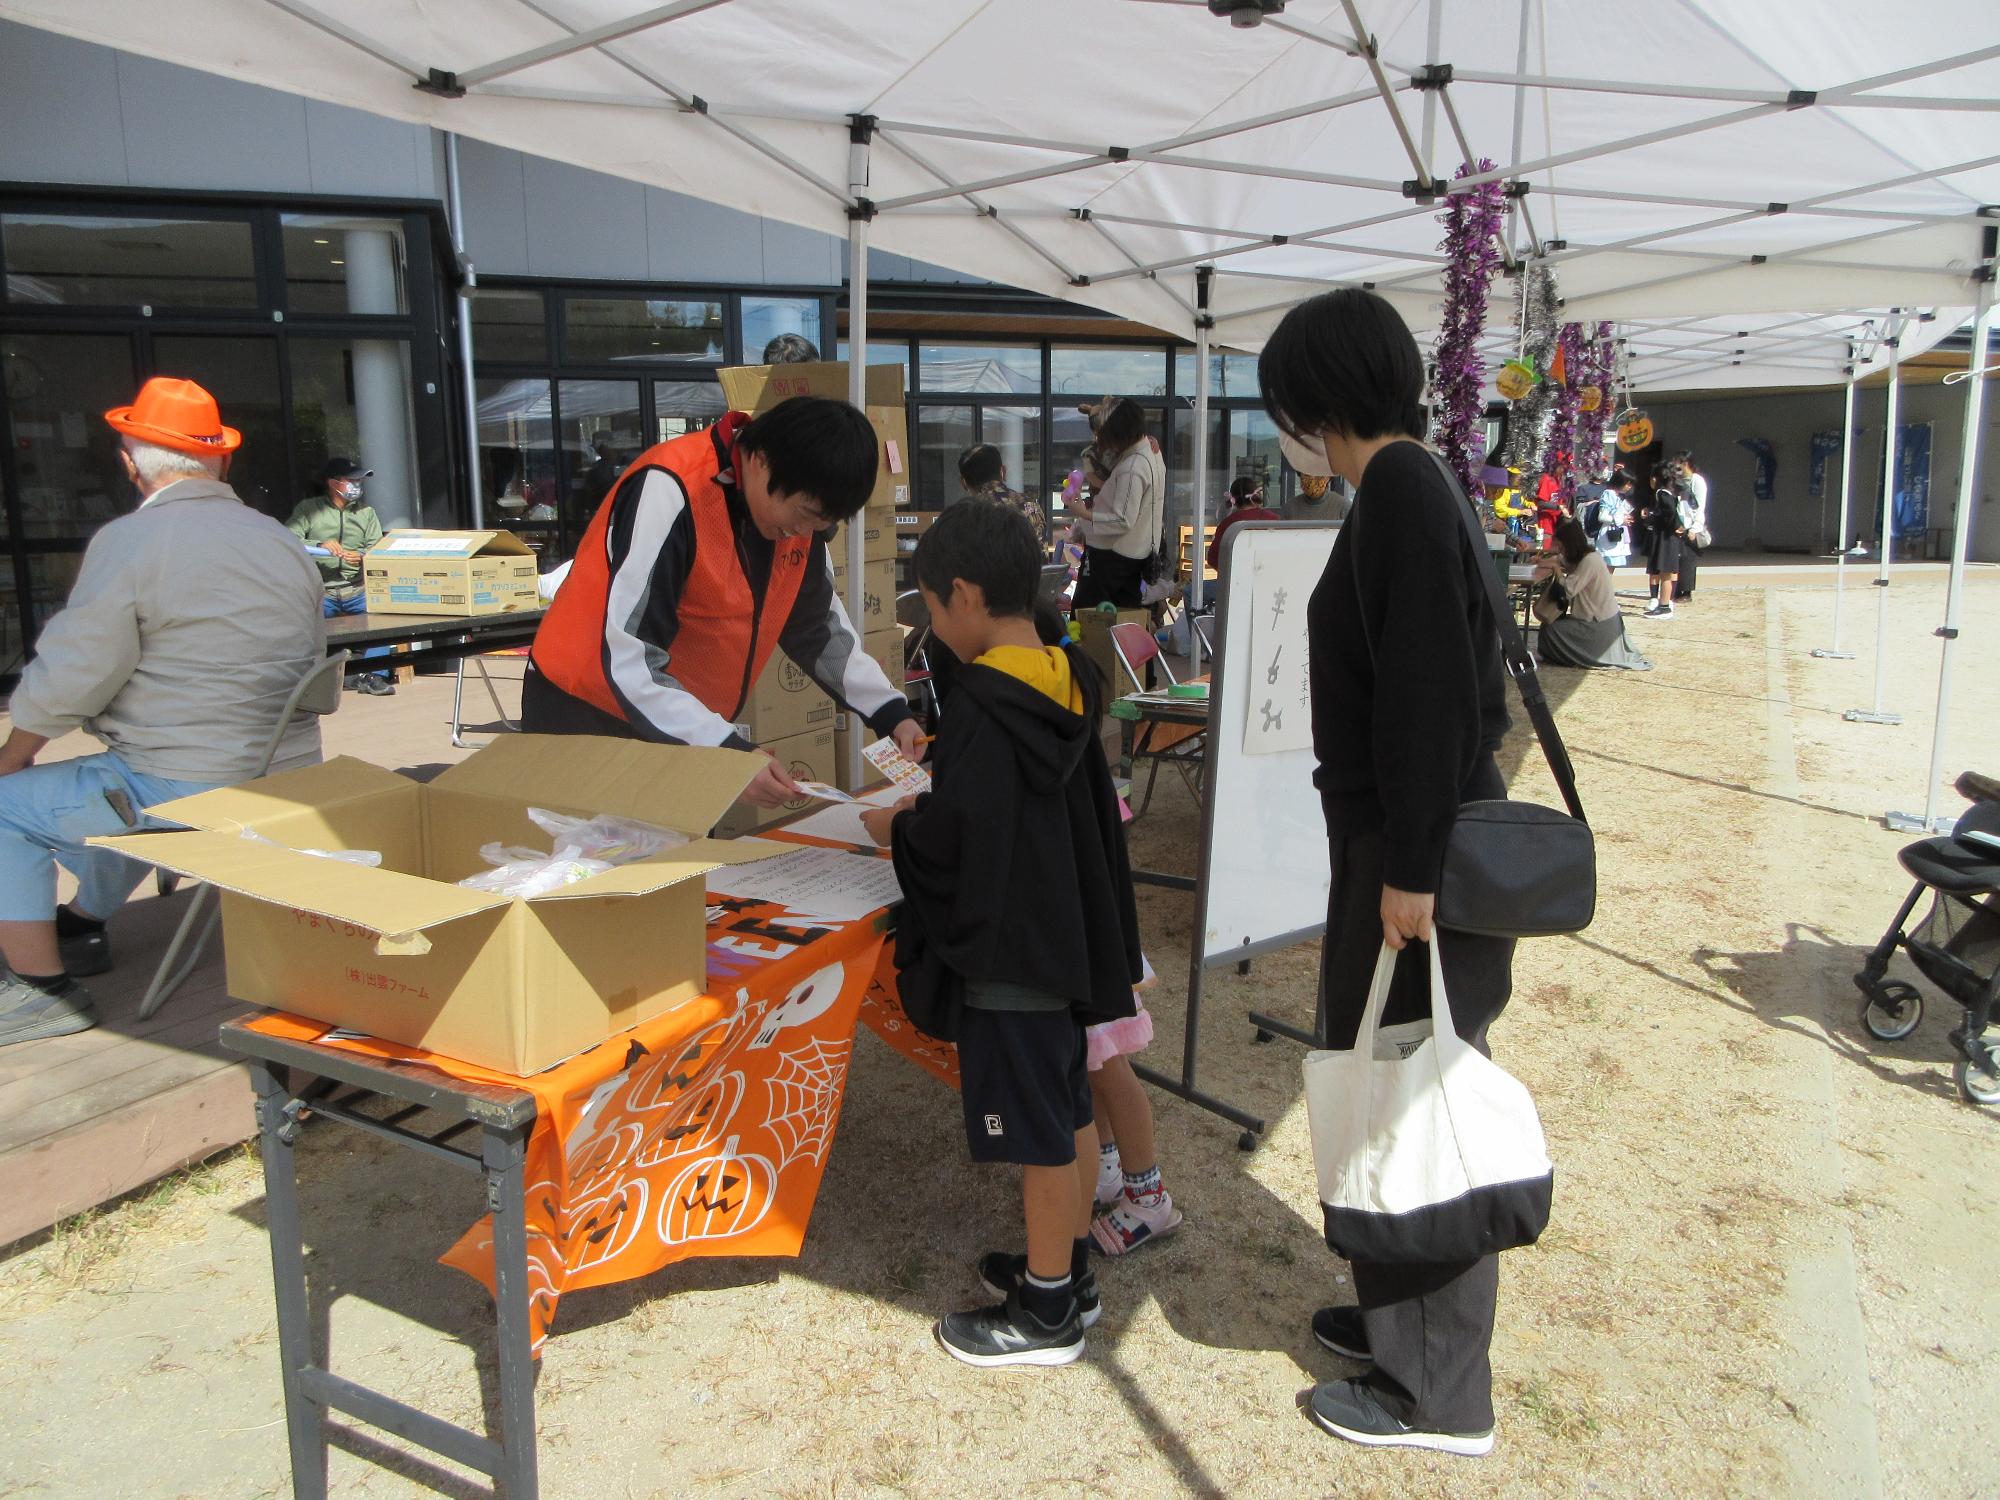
1343,362
816,446
979,464
986,542
1123,425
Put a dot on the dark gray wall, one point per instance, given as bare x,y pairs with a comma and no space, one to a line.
1710,427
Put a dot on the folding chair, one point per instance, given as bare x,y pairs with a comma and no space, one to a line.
318,692
458,695
1179,745
912,613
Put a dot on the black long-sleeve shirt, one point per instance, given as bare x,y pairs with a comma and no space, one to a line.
1409,697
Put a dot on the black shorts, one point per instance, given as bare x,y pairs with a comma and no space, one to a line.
1024,1084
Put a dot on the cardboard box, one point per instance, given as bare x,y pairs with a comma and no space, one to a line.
878,538
404,953
755,388
878,592
785,702
1092,631
844,727
892,437
808,755
886,646
449,573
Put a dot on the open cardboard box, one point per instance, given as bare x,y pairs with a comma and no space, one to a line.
417,572
403,953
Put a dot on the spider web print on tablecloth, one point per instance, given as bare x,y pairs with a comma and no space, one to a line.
805,1094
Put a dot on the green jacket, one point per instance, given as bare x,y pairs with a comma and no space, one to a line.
317,520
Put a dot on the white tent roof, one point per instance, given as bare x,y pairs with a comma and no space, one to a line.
1721,175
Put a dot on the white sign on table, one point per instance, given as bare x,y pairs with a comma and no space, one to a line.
1278,704
826,882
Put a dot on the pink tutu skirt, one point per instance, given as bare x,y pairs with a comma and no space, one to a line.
1119,1038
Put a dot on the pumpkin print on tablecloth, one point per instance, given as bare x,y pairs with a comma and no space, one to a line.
719,1194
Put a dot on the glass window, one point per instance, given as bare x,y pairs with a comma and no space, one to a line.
50,577
351,399
766,318
76,261
943,432
517,457
897,353
600,437
1017,432
242,374
510,326
65,456
1087,373
344,265
1180,469
684,406
999,368
1228,375
602,329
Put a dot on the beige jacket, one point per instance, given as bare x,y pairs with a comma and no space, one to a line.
190,623
1128,511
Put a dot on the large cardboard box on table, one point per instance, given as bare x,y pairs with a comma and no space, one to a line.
403,952
784,702
1092,628
808,757
449,573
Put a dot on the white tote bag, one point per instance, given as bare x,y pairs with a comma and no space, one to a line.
1427,1150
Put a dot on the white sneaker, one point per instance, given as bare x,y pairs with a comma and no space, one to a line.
1130,1223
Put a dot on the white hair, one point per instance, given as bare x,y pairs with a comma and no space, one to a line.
160,466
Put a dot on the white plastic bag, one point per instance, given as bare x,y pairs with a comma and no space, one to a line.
1427,1151
583,847
370,857
529,872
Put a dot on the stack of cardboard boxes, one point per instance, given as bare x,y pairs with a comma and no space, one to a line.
787,712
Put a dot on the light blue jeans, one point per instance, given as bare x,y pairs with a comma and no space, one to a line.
46,813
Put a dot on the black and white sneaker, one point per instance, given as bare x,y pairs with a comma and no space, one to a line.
1659,612
1348,1409
1340,1330
1010,1335
1002,1275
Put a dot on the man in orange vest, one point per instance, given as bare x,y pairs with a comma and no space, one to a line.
706,557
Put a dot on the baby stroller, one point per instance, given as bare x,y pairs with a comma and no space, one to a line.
1956,946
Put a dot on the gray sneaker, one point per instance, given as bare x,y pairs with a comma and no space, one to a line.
29,1012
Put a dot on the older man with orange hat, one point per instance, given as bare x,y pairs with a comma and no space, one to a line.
189,624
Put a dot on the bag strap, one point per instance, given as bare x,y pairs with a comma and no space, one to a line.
1513,649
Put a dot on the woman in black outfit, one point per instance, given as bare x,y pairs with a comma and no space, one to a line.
1408,707
1663,560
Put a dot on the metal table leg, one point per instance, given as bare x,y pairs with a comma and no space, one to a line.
504,1154
305,1418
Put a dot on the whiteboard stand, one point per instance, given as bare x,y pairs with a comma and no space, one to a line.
1262,880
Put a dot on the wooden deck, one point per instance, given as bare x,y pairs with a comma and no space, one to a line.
85,1118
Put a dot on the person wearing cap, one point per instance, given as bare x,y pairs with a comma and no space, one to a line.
190,622
337,527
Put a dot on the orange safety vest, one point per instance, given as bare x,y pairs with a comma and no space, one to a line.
723,640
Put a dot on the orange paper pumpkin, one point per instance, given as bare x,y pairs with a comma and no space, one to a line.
1516,378
1589,398
1635,431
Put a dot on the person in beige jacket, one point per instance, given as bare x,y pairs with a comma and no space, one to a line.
190,622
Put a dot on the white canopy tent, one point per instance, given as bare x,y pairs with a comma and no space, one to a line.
1752,192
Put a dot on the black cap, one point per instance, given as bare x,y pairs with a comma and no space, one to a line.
342,468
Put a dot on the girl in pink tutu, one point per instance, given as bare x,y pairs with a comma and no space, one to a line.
1134,1206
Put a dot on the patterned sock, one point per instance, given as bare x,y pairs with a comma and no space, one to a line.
1048,1302
1107,1150
1144,1187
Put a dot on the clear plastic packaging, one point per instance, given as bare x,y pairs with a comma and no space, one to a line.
583,847
369,857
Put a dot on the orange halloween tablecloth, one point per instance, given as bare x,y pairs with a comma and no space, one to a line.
704,1131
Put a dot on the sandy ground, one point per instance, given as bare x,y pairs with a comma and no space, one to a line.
1769,1271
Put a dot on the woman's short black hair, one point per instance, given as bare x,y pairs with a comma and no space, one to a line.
1123,425
987,542
1573,540
979,464
1344,362
816,446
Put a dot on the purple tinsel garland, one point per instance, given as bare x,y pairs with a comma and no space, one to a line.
1597,353
1472,254
1559,458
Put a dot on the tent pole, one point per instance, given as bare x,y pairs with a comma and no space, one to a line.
1968,491
1198,557
468,279
1833,652
861,130
1875,714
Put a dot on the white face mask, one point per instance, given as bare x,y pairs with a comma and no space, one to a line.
1303,457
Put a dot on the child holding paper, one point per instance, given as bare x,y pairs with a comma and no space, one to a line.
1018,927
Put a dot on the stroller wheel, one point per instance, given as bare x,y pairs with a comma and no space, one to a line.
1891,1011
1978,1081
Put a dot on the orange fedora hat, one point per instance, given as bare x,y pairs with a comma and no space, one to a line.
175,414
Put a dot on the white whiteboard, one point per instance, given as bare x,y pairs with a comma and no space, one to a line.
1263,875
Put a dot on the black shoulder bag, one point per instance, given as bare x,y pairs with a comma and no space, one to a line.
1513,869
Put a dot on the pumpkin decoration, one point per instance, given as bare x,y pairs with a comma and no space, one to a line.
1635,430
1589,397
1516,378
722,1193
699,1115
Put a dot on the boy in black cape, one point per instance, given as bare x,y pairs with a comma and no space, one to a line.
1018,927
